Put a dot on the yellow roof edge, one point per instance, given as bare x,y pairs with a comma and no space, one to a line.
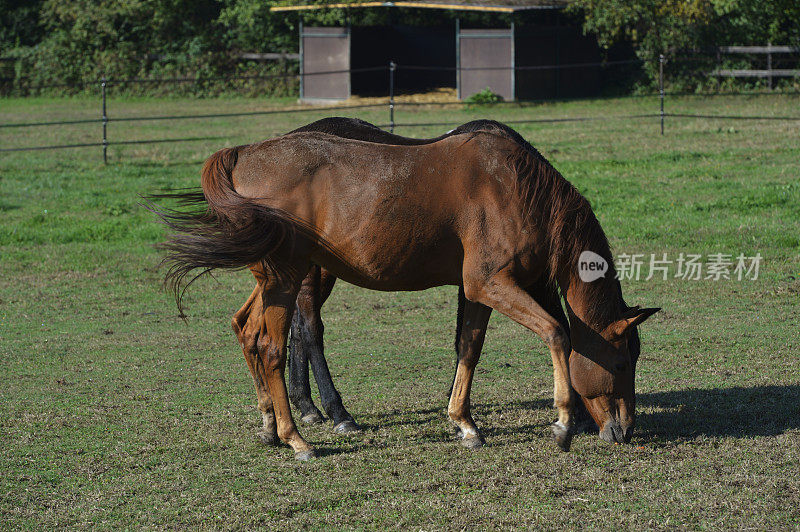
425,5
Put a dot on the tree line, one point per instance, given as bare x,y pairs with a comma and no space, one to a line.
74,42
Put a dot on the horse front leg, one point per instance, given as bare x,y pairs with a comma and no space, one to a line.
547,295
563,428
472,332
246,325
502,292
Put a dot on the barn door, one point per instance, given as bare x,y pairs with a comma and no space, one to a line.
324,50
486,59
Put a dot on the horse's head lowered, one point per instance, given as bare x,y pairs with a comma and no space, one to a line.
602,368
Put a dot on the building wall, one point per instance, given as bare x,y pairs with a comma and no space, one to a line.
541,39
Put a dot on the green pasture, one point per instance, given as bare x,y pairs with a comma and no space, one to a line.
116,414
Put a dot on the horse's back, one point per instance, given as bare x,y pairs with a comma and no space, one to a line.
323,160
393,211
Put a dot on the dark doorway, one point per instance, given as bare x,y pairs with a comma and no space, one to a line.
431,48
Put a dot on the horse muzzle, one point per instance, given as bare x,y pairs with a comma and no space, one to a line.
613,432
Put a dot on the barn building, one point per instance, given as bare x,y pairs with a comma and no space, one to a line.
512,47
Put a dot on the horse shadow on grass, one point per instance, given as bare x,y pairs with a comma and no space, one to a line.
661,416
721,412
737,412
717,412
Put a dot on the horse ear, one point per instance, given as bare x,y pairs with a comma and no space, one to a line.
633,317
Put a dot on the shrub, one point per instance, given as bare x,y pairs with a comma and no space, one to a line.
484,97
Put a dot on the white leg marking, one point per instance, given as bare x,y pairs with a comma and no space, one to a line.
469,431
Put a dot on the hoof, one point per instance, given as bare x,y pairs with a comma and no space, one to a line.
470,441
305,456
563,436
313,418
346,426
267,438
473,442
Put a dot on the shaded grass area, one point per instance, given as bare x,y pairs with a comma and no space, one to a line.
113,412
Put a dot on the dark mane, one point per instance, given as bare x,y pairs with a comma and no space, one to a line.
357,129
571,226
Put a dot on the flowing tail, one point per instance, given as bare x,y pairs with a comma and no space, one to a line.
222,229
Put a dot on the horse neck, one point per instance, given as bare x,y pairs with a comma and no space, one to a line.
571,228
596,304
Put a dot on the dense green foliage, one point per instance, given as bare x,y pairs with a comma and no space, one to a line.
676,26
659,26
74,42
80,41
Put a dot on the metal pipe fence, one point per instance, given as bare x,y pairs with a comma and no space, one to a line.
391,69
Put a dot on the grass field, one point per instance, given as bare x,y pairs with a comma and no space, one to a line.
116,414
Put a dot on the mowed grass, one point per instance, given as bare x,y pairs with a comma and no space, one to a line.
116,414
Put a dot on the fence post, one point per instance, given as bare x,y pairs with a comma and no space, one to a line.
302,59
392,67
769,65
661,88
458,58
105,122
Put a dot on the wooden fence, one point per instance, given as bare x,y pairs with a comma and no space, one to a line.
768,73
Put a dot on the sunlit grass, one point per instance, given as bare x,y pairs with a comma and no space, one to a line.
114,413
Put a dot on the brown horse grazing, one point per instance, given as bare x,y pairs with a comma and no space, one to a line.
305,339
480,210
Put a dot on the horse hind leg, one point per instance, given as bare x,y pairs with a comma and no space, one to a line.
247,324
472,332
316,288
278,303
298,384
